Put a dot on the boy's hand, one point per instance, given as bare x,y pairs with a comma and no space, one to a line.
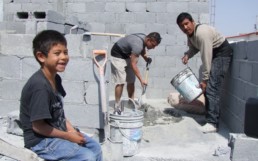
76,137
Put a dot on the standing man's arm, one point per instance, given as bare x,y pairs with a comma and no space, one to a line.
190,53
206,50
134,60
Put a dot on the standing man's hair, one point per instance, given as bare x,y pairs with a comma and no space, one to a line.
182,16
154,36
45,40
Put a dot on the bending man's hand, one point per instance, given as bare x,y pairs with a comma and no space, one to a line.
149,60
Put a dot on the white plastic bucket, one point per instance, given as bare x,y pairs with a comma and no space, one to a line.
127,128
187,84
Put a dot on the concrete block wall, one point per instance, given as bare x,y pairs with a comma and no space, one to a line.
125,17
145,16
81,76
241,84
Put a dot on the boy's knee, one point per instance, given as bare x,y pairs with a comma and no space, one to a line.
86,155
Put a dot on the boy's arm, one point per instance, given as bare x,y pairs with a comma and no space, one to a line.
42,128
70,127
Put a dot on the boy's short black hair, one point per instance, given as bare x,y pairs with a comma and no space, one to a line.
182,16
46,39
155,36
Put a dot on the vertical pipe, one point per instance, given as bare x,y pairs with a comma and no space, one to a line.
1,10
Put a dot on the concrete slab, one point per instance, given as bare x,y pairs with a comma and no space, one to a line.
174,136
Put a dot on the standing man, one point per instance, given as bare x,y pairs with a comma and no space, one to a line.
216,55
125,54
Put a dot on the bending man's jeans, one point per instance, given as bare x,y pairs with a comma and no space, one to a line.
218,71
64,150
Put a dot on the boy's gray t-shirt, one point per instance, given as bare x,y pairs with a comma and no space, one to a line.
133,43
40,102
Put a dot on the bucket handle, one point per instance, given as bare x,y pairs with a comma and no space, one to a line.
135,108
121,131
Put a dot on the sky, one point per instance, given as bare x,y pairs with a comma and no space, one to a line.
234,17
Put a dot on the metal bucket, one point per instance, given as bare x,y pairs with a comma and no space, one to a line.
127,128
187,84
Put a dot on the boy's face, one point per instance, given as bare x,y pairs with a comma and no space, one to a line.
187,27
56,60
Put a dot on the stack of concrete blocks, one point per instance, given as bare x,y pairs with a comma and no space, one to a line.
241,84
243,148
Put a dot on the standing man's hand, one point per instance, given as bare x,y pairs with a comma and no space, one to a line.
185,59
203,86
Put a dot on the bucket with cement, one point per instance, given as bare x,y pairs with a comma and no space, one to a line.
127,128
187,85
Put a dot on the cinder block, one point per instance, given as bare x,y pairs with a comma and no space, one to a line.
204,18
83,68
84,115
158,51
107,17
9,67
49,16
240,50
254,75
160,28
243,148
166,61
92,94
74,45
115,28
135,7
168,39
11,89
157,7
116,7
50,26
252,50
29,66
13,123
74,91
71,20
246,71
13,27
127,17
176,7
166,18
21,1
97,27
145,17
31,27
16,44
134,28
6,106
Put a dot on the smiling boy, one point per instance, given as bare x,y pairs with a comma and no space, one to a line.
46,129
